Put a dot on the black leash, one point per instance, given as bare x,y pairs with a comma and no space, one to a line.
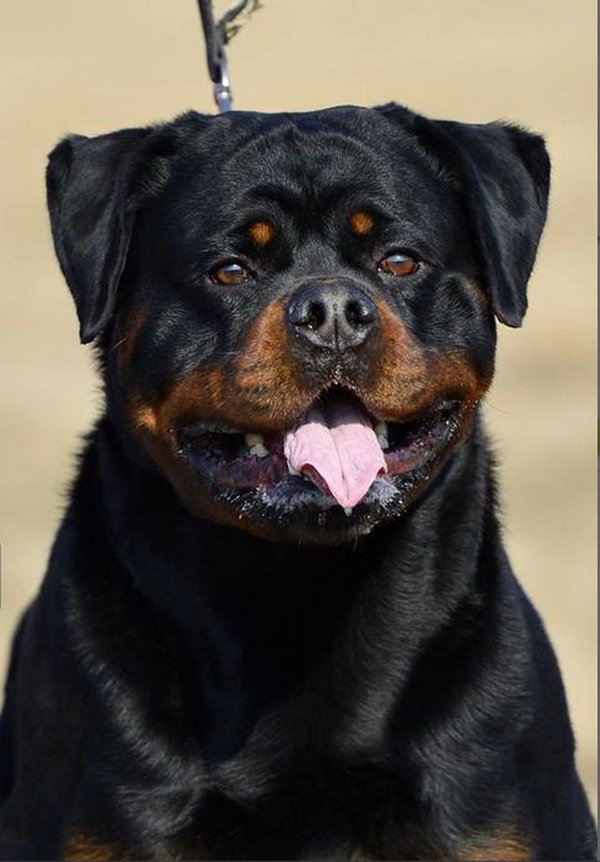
216,36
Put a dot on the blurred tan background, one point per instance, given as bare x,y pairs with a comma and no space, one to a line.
97,65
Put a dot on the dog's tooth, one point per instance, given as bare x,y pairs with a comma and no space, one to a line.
381,432
256,445
348,511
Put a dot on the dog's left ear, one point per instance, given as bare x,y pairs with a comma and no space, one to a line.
504,172
95,186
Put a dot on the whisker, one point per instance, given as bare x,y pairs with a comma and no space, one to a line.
118,344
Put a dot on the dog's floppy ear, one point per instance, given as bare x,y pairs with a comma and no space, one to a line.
92,202
504,172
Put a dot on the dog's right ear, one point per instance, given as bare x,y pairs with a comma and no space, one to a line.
92,188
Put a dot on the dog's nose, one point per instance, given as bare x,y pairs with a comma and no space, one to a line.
333,315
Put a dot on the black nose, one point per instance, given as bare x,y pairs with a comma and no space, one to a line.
334,315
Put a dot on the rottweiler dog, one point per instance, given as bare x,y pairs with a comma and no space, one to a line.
278,621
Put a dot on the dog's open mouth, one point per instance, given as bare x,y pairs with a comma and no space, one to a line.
336,446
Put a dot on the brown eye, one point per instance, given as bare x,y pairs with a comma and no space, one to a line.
398,263
231,273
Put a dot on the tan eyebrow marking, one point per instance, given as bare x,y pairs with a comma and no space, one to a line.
147,418
261,232
361,222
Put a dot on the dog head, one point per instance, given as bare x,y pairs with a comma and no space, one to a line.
296,312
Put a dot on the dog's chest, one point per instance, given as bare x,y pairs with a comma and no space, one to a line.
337,814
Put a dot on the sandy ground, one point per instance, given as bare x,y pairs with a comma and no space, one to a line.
95,66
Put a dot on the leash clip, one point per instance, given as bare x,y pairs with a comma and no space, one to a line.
216,36
222,87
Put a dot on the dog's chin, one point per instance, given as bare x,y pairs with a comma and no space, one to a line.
297,512
249,485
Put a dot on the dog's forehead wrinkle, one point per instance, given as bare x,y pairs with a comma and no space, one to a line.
303,163
390,192
402,214
292,149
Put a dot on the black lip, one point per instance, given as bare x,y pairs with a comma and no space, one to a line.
416,440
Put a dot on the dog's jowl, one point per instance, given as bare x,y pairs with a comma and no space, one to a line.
278,621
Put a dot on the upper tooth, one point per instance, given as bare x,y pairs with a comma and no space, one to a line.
381,432
256,445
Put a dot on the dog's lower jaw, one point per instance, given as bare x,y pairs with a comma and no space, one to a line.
294,510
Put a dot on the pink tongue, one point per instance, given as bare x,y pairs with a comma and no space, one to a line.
337,447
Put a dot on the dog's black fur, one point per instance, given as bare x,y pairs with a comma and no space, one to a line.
221,663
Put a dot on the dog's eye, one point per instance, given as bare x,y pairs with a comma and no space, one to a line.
230,273
398,263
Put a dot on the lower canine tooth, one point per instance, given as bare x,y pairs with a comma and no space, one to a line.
256,445
381,432
259,450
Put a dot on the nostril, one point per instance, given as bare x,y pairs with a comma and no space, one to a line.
308,313
315,317
360,312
